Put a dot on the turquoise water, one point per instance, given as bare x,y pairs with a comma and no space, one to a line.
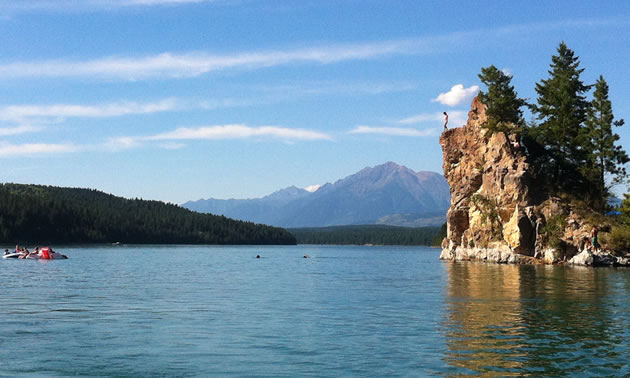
346,311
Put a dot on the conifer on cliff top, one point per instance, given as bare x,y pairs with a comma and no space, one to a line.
503,105
606,158
561,109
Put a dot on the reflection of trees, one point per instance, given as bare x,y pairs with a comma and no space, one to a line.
514,320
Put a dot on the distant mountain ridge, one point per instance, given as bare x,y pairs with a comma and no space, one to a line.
388,194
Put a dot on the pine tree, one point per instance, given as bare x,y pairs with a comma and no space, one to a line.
561,110
503,105
606,157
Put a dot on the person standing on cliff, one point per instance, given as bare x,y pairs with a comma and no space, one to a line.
445,120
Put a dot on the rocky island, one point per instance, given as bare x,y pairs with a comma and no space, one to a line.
505,209
496,212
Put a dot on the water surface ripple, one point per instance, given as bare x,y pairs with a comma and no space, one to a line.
345,311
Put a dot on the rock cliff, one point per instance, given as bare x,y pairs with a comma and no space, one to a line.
496,211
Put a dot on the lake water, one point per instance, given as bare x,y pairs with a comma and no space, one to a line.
345,311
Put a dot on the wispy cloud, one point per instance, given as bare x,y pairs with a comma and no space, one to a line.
395,131
237,131
194,64
425,117
89,5
457,95
23,112
346,88
190,64
456,118
172,140
116,144
22,129
34,149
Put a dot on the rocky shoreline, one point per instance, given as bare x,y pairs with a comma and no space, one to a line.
549,256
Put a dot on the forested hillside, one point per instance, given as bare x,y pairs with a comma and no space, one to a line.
46,214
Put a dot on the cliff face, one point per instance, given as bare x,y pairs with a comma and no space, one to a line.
491,203
496,213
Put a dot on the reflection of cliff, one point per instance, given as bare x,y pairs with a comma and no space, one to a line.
484,316
539,320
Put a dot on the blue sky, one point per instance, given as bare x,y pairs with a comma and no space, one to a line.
178,100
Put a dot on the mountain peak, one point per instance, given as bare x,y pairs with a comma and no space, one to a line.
288,193
388,193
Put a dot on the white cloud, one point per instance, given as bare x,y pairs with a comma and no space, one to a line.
220,132
312,188
176,65
31,149
239,132
22,129
394,131
456,95
194,64
121,143
21,112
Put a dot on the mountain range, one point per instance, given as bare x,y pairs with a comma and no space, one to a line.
388,194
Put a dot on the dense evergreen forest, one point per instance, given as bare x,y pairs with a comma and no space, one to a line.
46,214
368,234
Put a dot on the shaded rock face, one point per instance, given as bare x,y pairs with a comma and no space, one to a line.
491,204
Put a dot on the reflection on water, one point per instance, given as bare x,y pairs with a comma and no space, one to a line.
549,320
346,311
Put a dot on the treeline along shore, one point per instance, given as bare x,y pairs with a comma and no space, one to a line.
370,234
47,214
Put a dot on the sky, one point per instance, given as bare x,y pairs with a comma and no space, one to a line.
177,100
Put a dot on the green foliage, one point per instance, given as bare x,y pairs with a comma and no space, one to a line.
605,158
619,239
489,214
573,148
367,234
503,105
553,231
45,214
561,109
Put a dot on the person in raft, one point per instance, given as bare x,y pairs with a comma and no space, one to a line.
445,120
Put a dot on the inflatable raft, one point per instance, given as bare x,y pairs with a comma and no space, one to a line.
45,253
